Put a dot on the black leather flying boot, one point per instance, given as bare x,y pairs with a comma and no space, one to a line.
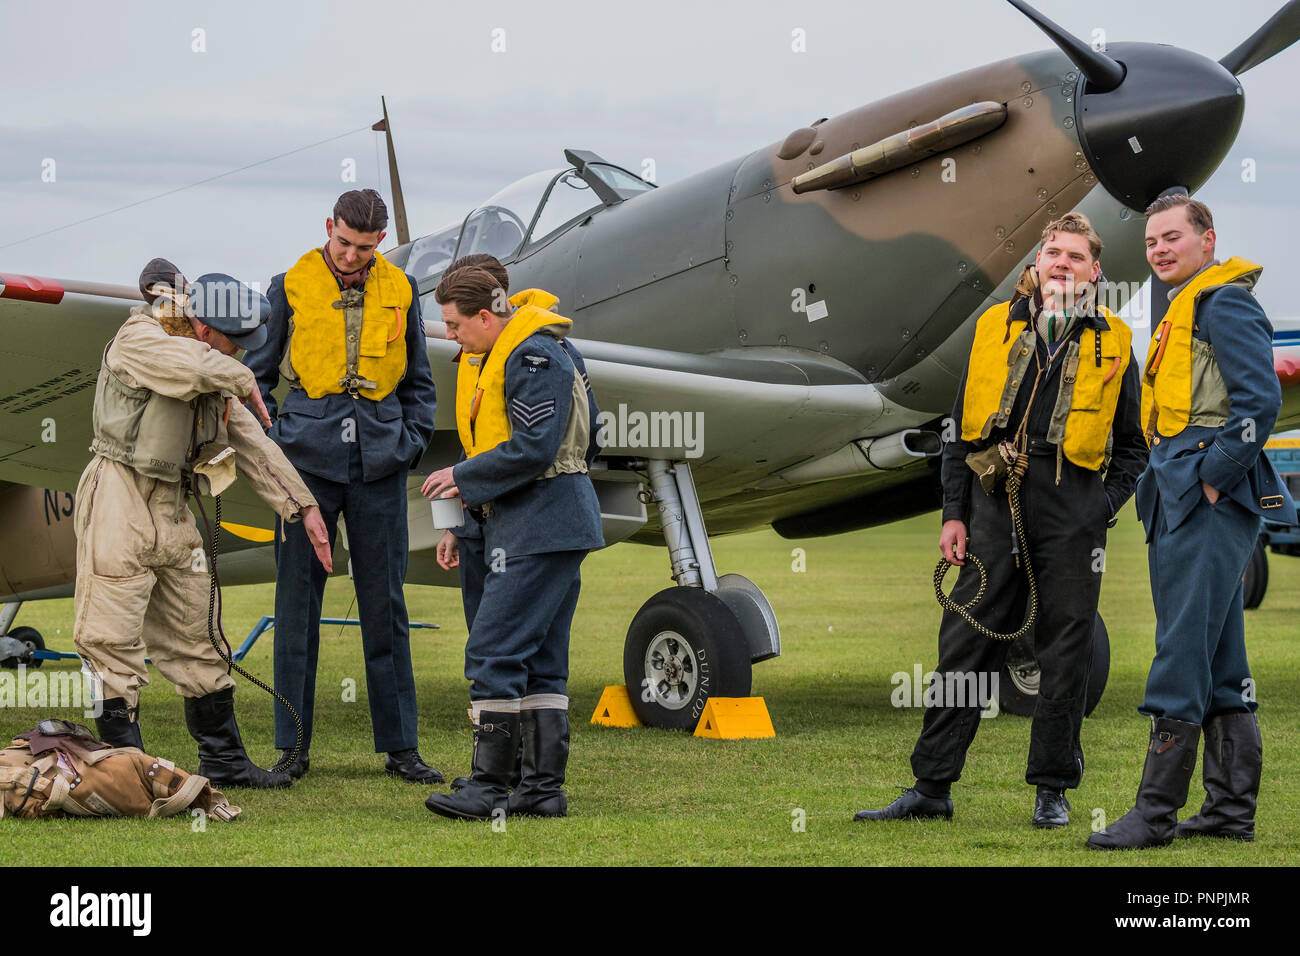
119,725
1171,758
496,741
458,783
222,758
1234,760
540,792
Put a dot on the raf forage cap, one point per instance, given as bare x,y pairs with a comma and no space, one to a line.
232,308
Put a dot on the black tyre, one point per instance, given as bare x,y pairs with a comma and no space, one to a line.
1018,681
1100,671
1255,581
683,647
32,638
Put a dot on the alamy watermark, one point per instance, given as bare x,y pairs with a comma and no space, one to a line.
671,430
949,689
51,689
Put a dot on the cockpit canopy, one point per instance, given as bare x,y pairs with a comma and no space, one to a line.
524,216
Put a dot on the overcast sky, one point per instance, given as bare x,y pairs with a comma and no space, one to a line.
130,100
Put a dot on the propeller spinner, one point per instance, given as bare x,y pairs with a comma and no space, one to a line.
1151,117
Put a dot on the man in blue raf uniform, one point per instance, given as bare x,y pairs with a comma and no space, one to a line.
526,418
1210,397
345,330
462,547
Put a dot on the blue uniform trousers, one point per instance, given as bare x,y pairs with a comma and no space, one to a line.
519,623
375,512
473,572
1200,667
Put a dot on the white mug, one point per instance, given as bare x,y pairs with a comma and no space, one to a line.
447,513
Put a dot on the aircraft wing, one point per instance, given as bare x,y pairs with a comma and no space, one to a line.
737,416
52,338
740,418
752,410
53,333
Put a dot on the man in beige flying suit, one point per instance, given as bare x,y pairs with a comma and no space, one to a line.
163,412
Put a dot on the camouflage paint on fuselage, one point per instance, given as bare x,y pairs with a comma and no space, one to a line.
895,269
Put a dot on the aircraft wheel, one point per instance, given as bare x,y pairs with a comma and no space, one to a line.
32,638
1018,682
1255,581
683,647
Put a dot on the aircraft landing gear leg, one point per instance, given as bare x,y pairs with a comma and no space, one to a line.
17,643
699,639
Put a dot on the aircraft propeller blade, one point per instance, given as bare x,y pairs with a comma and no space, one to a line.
1103,73
399,203
1281,30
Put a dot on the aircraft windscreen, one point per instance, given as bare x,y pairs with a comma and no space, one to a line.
432,254
568,199
624,182
498,226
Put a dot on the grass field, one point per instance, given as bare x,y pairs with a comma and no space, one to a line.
861,611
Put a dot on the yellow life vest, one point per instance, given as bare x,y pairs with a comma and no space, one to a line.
481,415
327,353
1093,370
1187,389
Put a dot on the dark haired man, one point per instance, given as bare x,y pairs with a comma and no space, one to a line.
527,421
1210,397
1049,383
345,331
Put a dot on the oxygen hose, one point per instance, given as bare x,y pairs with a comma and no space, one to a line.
214,628
1014,478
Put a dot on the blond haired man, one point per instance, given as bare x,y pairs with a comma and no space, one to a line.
1049,378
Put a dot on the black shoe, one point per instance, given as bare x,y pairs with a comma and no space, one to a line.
1234,759
496,745
119,725
540,792
1051,809
408,765
1166,775
911,805
222,758
300,765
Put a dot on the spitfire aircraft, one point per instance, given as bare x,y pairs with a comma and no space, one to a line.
773,341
